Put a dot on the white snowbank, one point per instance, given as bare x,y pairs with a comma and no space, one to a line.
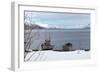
56,55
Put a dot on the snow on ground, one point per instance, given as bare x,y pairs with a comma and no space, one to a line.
56,55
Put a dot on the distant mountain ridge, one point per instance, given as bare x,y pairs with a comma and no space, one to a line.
36,26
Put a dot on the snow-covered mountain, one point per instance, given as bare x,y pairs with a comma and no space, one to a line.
32,26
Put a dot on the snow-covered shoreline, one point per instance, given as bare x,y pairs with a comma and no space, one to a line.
50,55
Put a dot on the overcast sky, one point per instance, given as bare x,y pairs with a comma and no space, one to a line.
60,20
